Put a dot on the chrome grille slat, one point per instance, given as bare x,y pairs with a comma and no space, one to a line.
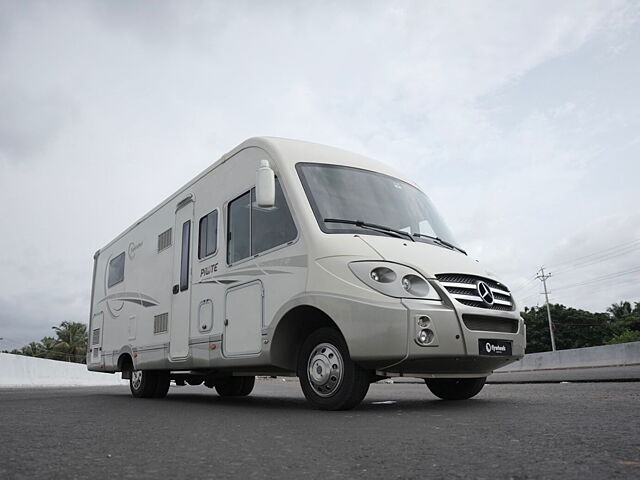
462,287
500,292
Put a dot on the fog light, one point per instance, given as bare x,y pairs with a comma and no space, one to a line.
423,321
425,336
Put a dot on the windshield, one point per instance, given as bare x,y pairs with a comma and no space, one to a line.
347,193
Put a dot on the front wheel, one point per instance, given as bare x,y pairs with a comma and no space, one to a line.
455,388
330,380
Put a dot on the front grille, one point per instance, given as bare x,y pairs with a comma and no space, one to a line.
463,288
484,323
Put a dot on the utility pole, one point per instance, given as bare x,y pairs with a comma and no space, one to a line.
543,277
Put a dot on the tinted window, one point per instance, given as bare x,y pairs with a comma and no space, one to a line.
239,229
347,193
253,230
116,270
208,238
271,227
184,258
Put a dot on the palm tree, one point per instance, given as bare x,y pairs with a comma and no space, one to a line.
48,345
32,350
620,310
72,340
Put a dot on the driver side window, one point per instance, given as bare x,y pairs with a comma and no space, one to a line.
253,230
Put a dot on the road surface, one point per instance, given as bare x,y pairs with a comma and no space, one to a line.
568,430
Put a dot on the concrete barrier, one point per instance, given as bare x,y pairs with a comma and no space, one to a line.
21,371
624,354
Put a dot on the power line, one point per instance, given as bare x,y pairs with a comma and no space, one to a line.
597,259
526,285
604,252
602,278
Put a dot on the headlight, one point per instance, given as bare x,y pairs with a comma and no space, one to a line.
383,275
393,279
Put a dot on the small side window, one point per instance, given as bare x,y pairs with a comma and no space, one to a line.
184,259
116,270
208,237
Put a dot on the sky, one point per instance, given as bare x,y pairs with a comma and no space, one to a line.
521,121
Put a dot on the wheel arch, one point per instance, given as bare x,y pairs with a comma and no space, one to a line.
125,362
292,330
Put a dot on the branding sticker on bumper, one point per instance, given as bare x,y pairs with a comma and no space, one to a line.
494,347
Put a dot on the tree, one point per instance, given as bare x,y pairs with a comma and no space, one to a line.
624,337
621,310
72,341
625,317
573,328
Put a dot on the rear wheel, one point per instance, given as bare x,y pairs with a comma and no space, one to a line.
163,381
143,383
455,388
330,380
235,386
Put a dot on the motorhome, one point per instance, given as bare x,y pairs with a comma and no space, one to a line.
289,258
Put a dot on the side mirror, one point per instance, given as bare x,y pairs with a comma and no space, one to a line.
265,185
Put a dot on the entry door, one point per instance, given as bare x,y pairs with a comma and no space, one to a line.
243,321
181,304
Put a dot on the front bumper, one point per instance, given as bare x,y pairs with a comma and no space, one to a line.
454,350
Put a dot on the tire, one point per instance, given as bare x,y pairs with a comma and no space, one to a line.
455,388
163,382
330,380
143,383
235,386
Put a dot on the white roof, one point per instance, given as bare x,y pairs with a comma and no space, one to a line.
287,153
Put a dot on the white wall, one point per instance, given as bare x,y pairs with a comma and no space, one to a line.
624,354
21,371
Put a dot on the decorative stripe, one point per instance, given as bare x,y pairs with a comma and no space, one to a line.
133,297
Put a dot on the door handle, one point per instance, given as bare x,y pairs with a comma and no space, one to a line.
226,322
176,289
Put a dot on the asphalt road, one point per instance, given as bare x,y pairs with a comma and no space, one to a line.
568,430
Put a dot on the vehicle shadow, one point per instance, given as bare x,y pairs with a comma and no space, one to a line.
391,402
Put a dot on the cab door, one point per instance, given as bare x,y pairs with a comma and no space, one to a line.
181,301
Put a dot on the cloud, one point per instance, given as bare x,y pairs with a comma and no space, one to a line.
494,109
29,124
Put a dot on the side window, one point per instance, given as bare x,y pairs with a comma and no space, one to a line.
208,237
116,270
271,227
239,228
184,256
252,230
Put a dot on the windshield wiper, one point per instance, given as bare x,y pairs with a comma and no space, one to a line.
441,241
378,228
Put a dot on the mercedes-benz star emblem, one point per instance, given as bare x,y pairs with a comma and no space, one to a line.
485,293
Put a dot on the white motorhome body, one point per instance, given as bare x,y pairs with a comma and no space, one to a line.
346,275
